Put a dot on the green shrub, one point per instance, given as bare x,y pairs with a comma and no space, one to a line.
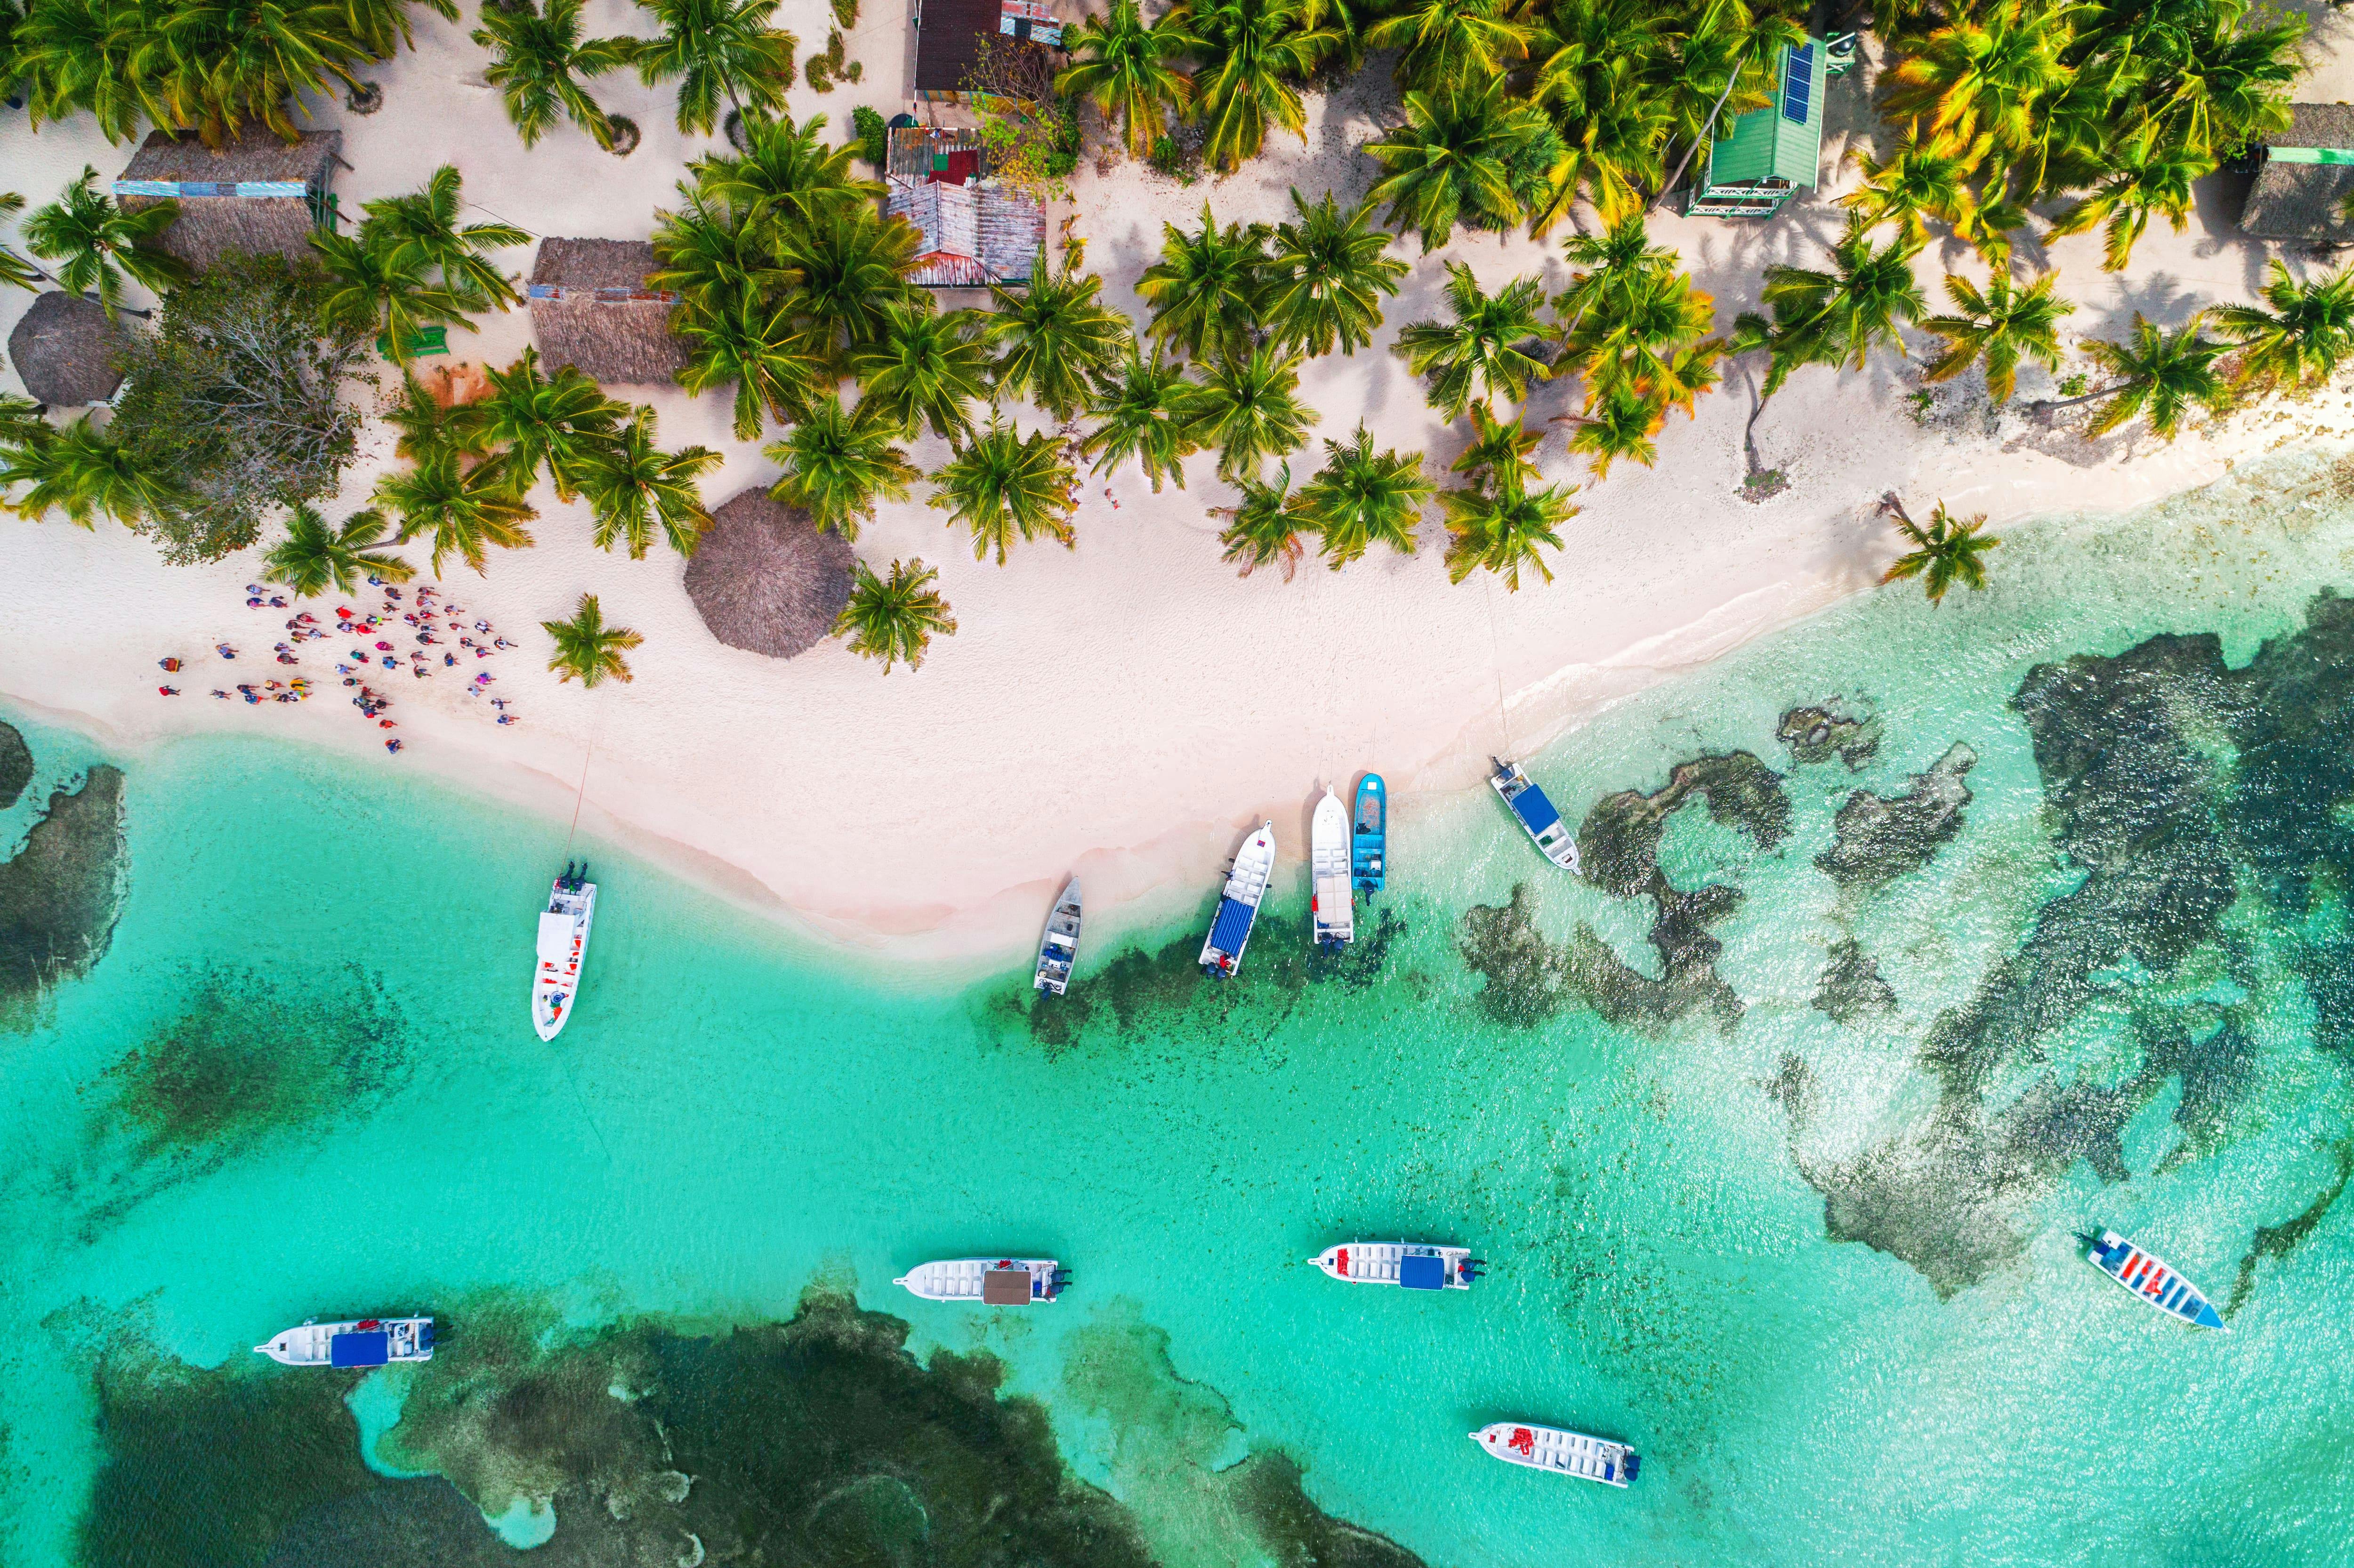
873,138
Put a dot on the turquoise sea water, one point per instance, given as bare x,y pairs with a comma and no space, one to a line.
1819,1269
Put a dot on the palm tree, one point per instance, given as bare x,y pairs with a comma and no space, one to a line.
14,269
1645,333
316,556
557,422
1360,496
1499,448
1925,176
2303,338
1594,82
97,244
1447,41
1502,525
1620,422
588,648
715,47
1142,414
1990,70
631,485
1468,155
1059,341
1263,528
83,471
2002,325
21,420
850,271
425,225
754,347
714,258
1944,553
1004,484
838,463
381,285
1327,277
538,58
786,175
218,64
894,619
1254,53
1205,290
2165,375
425,426
2147,175
1248,408
1834,318
1125,68
1611,265
77,54
927,366
1488,343
465,509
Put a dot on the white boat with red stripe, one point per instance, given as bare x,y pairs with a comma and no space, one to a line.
1413,1266
1559,1450
2153,1279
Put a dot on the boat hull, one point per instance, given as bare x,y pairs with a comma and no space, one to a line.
1332,894
987,1281
562,949
1369,841
2152,1280
1412,1265
1558,1451
1059,949
1230,928
358,1342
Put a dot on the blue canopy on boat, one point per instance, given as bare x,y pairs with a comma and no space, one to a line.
1233,923
1422,1273
372,1349
1534,809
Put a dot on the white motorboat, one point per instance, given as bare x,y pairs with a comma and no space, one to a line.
361,1342
2152,1279
1059,948
1230,930
1535,815
1333,895
1563,1453
1411,1266
563,943
987,1281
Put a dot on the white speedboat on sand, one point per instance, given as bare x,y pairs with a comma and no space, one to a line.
1230,928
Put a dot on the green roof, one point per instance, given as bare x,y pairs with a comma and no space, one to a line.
1784,139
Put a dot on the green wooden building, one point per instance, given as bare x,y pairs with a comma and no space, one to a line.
1767,154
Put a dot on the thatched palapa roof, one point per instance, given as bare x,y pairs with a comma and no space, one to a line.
66,351
765,580
591,308
258,194
2308,170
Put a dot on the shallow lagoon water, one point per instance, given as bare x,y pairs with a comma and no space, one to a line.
301,1081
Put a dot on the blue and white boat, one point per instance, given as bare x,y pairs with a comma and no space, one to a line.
2152,1279
1535,813
1369,847
360,1343
1059,949
1331,896
1409,1266
1230,930
1559,1450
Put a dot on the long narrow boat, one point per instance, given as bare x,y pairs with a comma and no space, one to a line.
1562,1452
1410,1265
1369,847
1230,930
361,1342
562,943
1333,898
1059,948
989,1282
2150,1278
1535,815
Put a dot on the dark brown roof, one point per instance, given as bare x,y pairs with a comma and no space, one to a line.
209,226
948,41
65,349
2303,201
765,580
583,313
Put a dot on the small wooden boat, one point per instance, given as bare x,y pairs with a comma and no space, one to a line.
1370,845
2149,1277
1562,1452
1535,815
1059,948
1410,1265
361,1342
1230,928
987,1281
1332,896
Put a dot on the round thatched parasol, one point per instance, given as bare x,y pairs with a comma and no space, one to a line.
764,579
64,350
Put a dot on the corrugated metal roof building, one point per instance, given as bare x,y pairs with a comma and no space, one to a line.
974,235
1769,154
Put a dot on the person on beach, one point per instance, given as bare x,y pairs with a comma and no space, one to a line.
392,745
168,691
224,650
448,660
501,642
506,718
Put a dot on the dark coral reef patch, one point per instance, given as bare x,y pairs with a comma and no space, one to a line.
15,764
60,894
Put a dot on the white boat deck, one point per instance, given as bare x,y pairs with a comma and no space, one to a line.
1334,890
1561,1452
1386,1263
985,1281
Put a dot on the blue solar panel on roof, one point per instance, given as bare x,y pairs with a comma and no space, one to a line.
1799,84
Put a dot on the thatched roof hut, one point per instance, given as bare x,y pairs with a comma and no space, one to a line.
591,308
764,579
2306,173
66,352
256,194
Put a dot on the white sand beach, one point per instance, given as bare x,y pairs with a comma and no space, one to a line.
1123,708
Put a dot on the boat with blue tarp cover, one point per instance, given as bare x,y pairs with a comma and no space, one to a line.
1238,903
1535,813
359,1342
2152,1279
1559,1450
1410,1265
1369,847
